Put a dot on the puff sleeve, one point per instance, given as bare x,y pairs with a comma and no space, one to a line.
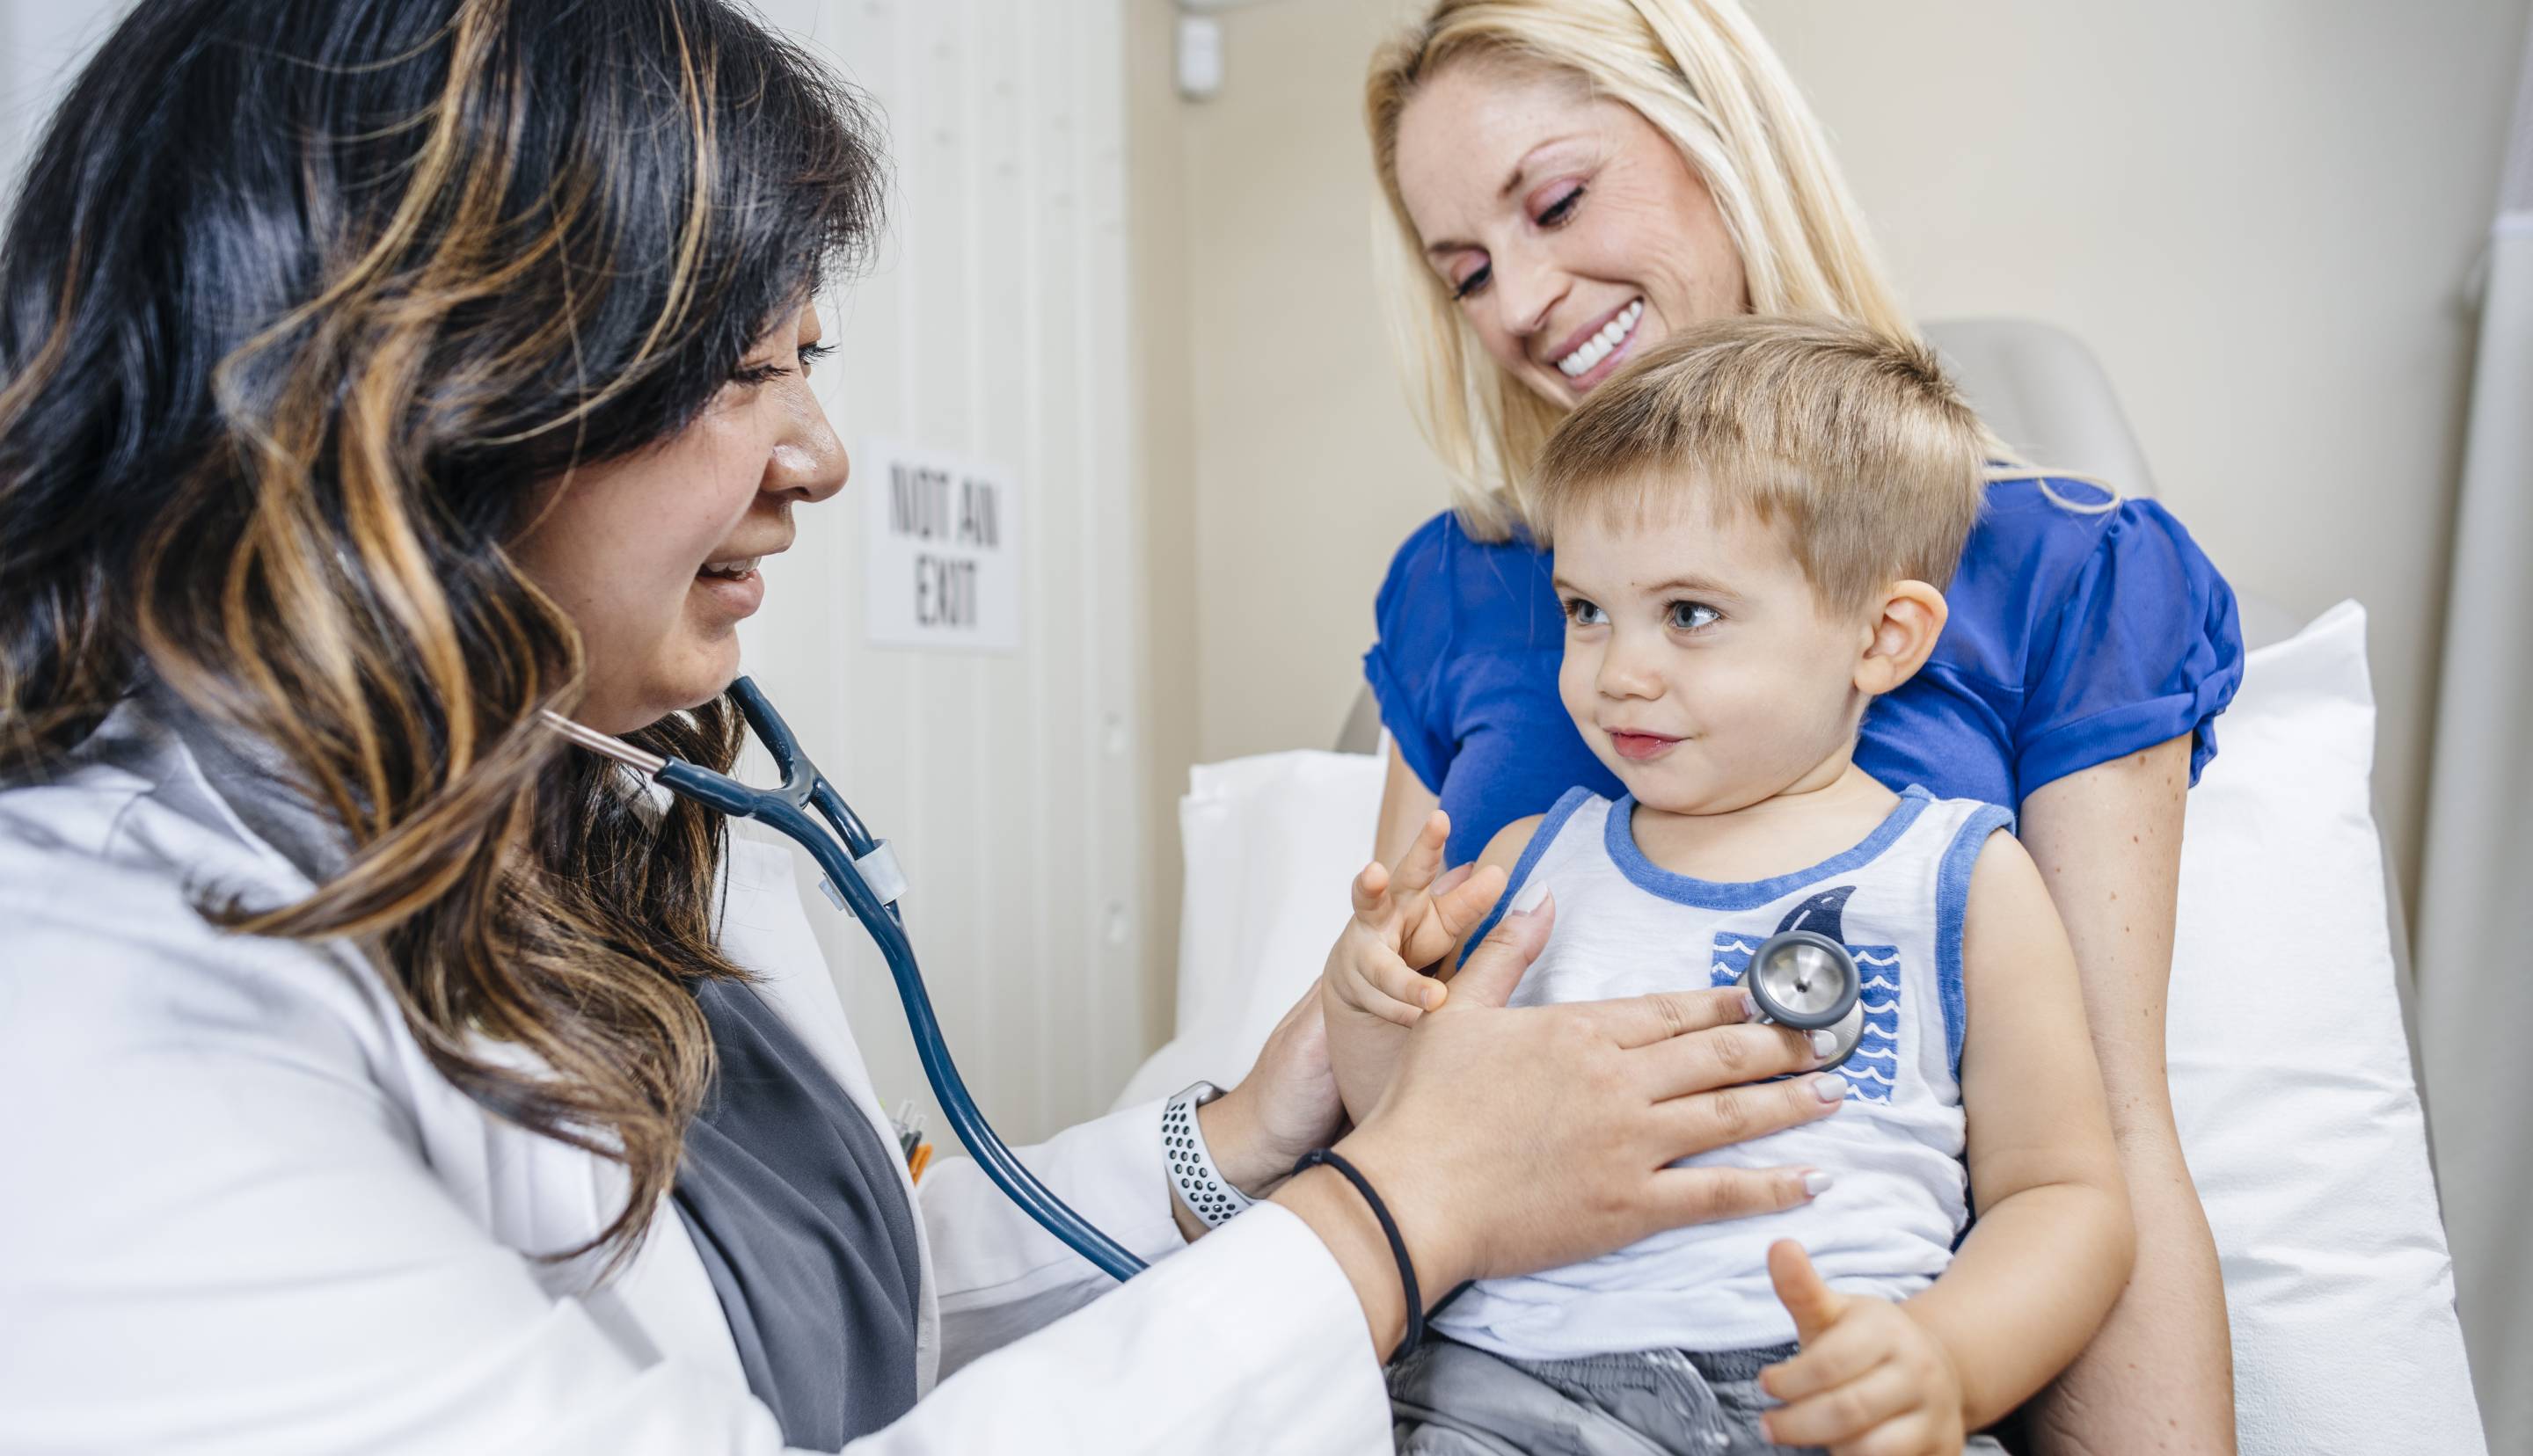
1413,616
2143,647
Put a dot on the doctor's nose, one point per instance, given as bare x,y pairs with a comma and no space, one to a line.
809,463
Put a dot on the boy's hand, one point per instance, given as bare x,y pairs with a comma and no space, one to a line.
1872,1380
1404,920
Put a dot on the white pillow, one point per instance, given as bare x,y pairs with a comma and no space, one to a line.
2291,1074
2291,1069
1271,846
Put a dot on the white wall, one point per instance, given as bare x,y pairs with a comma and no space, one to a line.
992,325
40,46
2260,215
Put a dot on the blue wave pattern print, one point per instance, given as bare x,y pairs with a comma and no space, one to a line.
1875,1067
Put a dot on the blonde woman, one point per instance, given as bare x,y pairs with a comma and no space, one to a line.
1570,182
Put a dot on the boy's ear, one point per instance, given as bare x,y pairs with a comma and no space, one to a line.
1902,634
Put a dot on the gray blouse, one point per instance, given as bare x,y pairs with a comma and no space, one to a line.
792,1200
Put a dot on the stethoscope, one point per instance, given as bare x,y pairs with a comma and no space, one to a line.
862,877
1803,979
1800,978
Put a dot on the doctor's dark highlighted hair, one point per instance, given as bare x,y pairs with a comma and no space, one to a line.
1851,444
306,306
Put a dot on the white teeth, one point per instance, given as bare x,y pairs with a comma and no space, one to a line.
740,567
1597,348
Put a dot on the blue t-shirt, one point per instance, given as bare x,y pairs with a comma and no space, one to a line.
2083,627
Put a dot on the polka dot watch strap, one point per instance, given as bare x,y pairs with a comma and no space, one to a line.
1200,1186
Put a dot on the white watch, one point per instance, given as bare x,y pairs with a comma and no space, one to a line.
1200,1184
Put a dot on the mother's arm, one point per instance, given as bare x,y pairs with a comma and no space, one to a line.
2159,1376
1406,804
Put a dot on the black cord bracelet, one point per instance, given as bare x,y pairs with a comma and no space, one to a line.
1390,1231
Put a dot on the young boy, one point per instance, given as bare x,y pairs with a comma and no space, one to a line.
1752,530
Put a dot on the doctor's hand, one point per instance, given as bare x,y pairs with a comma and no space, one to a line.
1517,1139
1286,1106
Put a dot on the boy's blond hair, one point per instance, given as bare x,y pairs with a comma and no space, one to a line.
1851,442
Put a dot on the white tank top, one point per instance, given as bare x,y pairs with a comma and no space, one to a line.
1625,926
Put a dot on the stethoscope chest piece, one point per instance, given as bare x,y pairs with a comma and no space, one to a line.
1806,980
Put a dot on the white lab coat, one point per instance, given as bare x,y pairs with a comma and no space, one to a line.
241,1211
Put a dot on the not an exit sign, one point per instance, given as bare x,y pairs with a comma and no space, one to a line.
940,550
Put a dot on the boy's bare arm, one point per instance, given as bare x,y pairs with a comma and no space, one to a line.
2053,1242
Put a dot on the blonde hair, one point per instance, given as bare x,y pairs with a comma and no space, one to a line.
1852,444
1701,72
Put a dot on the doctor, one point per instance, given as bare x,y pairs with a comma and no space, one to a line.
381,1075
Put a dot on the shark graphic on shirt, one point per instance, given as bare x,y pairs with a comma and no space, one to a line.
1874,1068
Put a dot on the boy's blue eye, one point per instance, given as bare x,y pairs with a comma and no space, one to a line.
1688,617
1582,613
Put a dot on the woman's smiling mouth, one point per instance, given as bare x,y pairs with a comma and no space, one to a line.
1596,356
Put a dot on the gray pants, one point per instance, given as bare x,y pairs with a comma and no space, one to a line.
1450,1399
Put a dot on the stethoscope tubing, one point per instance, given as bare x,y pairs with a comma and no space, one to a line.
781,810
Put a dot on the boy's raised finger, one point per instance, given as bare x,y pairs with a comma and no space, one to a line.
1371,888
1423,861
1805,1295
